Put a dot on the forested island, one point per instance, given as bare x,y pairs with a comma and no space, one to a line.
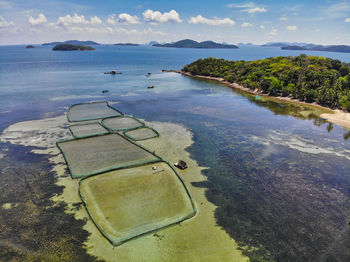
311,47
70,47
188,43
324,81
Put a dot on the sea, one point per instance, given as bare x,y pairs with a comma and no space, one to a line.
278,173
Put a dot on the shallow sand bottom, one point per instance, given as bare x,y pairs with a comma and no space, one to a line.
338,117
196,239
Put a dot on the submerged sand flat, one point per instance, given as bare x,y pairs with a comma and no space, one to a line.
129,202
196,239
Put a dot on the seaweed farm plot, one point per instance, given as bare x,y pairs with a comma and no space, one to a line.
127,190
86,130
127,203
93,155
141,133
91,111
121,123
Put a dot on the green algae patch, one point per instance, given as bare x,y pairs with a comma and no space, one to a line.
86,130
7,206
122,123
128,203
91,111
142,133
94,155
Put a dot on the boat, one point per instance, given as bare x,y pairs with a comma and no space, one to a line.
181,164
113,72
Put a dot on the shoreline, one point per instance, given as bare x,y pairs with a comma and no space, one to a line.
335,116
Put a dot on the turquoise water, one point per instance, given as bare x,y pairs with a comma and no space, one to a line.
280,179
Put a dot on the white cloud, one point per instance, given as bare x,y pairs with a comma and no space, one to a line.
111,19
292,28
37,21
69,20
95,20
273,32
283,18
246,24
347,20
149,31
337,10
78,20
262,27
199,19
257,10
250,8
4,23
128,19
155,17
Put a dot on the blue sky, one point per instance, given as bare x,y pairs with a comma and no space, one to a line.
108,21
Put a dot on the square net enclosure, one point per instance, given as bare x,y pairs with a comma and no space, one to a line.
88,129
93,155
141,133
127,203
91,111
121,123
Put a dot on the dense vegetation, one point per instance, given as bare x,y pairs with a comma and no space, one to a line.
70,47
188,43
308,78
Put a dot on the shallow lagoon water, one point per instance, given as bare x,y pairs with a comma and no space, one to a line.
275,167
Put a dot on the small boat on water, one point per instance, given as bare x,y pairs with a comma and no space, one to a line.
150,86
148,74
113,72
105,91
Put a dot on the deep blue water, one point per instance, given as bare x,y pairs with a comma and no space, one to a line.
261,151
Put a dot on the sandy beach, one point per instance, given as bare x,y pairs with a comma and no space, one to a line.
196,239
336,116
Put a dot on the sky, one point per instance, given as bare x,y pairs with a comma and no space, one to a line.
231,21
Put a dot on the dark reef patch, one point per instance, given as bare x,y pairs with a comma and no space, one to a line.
32,227
286,207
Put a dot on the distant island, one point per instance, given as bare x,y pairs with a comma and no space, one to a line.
310,79
188,43
126,44
71,47
73,42
283,44
311,47
29,46
245,44
152,43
